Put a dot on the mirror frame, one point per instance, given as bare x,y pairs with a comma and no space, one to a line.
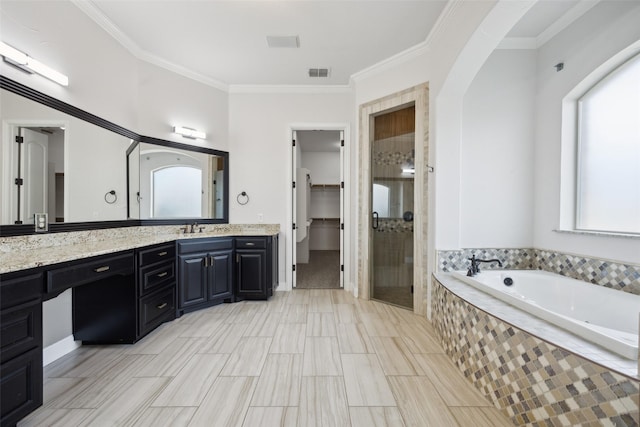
41,98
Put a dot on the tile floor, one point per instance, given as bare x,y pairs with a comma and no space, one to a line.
304,358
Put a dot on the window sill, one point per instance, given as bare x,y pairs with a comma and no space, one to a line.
600,233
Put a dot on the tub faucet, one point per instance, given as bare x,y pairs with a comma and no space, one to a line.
475,264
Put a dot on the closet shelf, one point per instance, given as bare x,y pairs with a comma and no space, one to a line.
325,186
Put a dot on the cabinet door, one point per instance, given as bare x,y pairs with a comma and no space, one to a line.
220,275
252,273
20,386
193,279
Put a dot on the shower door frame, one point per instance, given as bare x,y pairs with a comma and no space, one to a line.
418,96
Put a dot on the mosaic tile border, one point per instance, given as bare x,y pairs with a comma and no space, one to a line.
615,275
394,225
534,382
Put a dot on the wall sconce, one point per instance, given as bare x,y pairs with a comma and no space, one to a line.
189,133
23,61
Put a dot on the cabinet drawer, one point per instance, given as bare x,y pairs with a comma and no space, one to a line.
204,245
251,242
157,308
21,329
20,386
156,254
155,276
89,270
18,289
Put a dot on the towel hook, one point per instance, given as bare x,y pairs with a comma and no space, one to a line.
110,197
243,198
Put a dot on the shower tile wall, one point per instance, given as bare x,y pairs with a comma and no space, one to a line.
532,381
616,275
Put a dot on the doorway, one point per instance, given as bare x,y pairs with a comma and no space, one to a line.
318,209
393,199
34,180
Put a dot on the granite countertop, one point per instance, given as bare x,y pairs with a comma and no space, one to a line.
24,252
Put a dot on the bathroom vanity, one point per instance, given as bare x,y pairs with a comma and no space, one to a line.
121,296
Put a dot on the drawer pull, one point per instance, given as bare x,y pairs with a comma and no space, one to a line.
102,269
164,273
163,253
250,244
161,306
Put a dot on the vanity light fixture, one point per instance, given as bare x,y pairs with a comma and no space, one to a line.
26,63
189,133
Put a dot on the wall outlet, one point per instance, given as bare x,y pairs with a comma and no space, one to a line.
260,218
41,222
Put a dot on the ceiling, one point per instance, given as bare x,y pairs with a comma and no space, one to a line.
224,43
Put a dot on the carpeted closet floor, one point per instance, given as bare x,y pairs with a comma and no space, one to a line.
322,271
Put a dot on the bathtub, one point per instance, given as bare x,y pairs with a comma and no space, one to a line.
601,315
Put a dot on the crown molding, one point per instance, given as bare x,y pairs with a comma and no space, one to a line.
568,18
93,12
565,20
414,51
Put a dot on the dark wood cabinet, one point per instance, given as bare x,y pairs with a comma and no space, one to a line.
156,298
20,345
121,297
256,259
118,298
221,275
225,269
205,272
104,297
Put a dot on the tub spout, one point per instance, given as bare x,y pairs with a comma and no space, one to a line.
475,264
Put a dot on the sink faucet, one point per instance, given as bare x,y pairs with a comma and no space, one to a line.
193,227
475,264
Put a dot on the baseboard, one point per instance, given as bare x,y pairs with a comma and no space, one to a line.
56,350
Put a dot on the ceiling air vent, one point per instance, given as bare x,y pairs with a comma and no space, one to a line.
318,72
283,41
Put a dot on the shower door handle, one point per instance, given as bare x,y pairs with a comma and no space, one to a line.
374,223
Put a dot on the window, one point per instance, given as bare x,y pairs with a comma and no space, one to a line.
608,156
177,192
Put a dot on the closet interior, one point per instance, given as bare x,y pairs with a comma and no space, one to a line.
318,209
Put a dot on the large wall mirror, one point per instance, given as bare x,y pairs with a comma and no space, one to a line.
87,173
166,181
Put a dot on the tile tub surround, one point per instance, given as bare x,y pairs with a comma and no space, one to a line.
530,379
23,252
612,274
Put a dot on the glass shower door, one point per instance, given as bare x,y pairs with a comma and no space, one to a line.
392,204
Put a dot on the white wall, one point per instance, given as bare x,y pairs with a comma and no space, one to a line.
102,74
604,31
324,166
496,152
166,99
261,153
